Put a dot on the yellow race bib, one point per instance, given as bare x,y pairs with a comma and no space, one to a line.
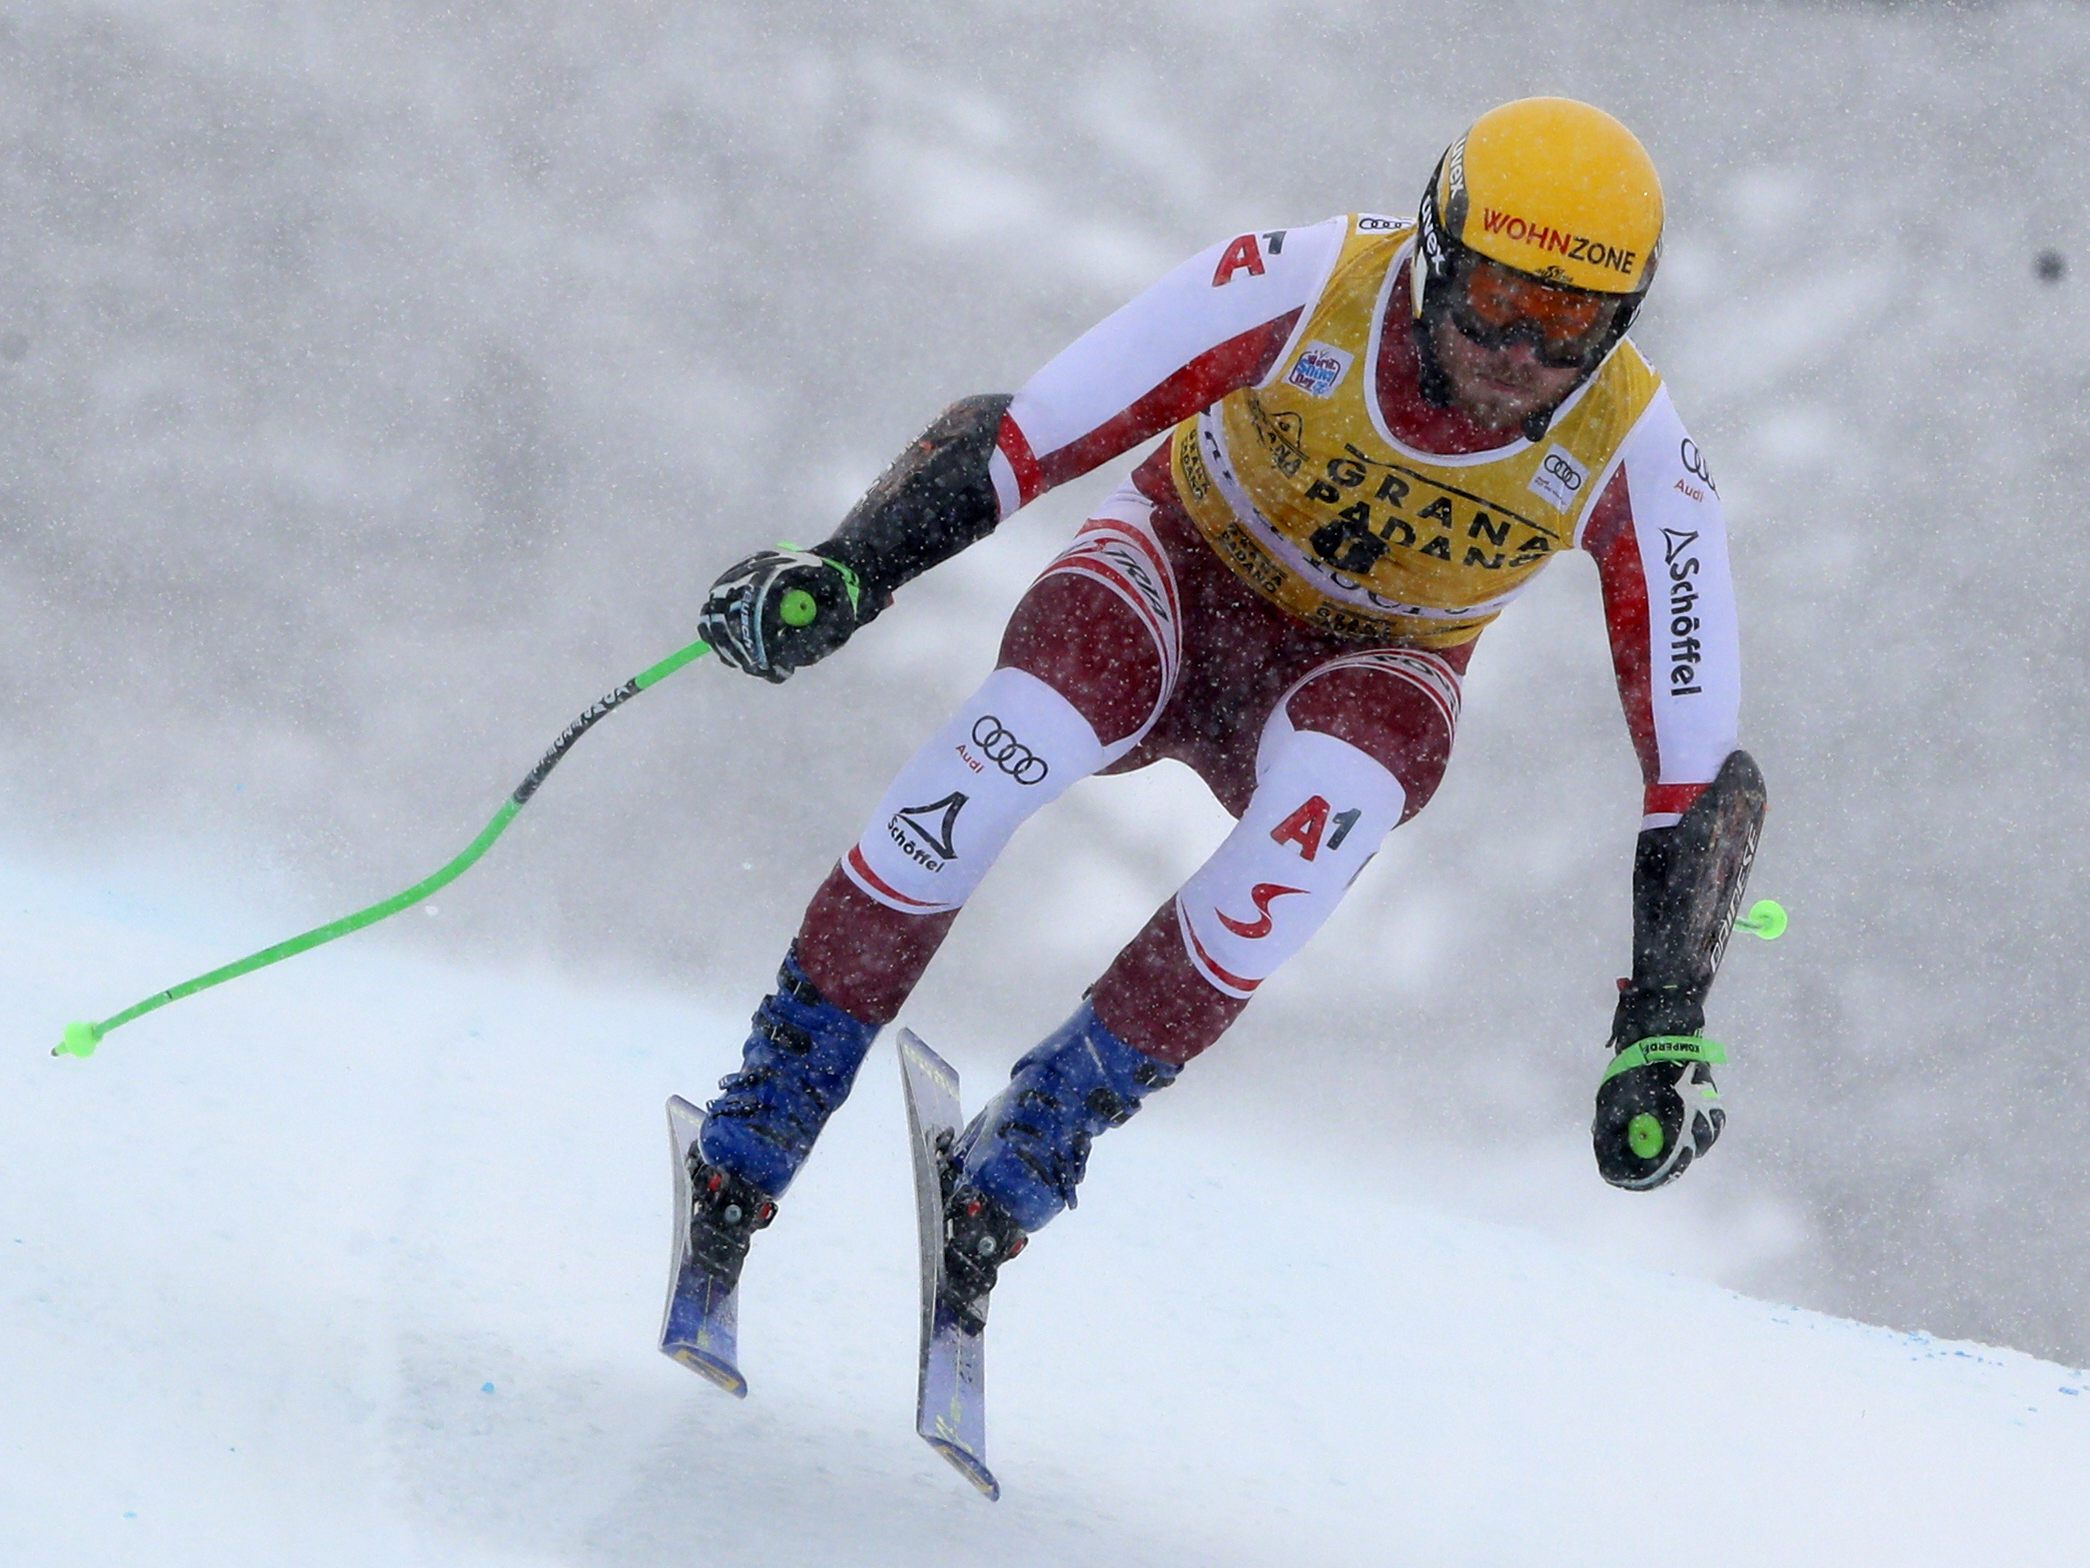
1300,486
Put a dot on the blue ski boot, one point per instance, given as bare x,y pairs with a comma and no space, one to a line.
1018,1162
799,1063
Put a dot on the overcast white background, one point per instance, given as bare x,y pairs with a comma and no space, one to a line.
380,383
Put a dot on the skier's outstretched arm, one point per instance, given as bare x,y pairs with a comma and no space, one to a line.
1661,549
1215,324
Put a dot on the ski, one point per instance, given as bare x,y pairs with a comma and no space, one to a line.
951,1403
700,1327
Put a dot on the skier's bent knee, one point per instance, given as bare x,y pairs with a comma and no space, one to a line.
1014,746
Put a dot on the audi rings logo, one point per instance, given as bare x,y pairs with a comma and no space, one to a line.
1694,460
1001,747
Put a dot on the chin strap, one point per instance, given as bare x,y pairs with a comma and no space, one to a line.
1436,385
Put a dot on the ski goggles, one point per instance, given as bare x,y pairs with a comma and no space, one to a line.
1565,327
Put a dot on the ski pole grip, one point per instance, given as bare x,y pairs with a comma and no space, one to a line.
1766,918
799,608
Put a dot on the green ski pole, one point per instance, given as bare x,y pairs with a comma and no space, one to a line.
798,609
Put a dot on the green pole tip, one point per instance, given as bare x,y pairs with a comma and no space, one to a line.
800,608
1766,918
1644,1135
80,1040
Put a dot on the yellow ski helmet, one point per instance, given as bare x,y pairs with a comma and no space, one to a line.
1548,187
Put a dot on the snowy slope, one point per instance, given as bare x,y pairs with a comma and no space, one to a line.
359,1261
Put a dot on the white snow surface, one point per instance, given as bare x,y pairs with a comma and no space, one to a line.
360,1260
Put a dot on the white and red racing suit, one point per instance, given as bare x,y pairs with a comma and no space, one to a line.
1285,596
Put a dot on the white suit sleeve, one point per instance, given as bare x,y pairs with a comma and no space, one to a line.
1660,543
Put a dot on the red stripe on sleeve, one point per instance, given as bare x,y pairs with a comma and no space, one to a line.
1611,540
1238,362
1023,462
1660,799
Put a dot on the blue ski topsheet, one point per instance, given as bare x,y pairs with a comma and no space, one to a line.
701,1325
951,1408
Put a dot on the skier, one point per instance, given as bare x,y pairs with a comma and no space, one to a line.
1377,432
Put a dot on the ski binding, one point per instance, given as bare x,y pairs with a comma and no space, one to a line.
700,1327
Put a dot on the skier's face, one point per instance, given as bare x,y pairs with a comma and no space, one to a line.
1498,386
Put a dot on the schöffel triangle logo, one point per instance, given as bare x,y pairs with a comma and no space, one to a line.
932,824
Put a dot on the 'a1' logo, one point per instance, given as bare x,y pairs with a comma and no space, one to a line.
1304,828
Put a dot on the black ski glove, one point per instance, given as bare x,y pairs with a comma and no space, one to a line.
780,610
1657,1108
